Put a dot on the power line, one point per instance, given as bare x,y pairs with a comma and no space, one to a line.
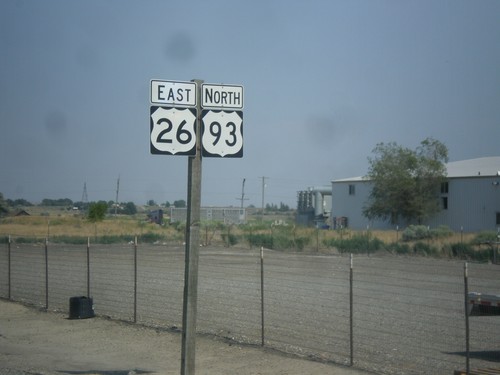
263,187
117,190
85,198
242,194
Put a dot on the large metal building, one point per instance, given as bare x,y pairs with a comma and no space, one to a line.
313,207
470,199
226,215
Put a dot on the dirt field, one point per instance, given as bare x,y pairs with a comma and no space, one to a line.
33,342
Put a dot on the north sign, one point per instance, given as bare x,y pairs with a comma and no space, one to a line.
221,96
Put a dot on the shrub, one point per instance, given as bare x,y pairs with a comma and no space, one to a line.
376,244
256,226
468,252
281,240
213,225
486,236
110,239
356,244
72,240
27,240
230,239
329,242
149,237
441,231
461,250
301,242
179,226
416,232
422,232
398,248
425,249
260,239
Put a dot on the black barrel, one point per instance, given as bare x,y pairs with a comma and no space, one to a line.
81,308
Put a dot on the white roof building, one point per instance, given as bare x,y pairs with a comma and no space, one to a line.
470,201
489,166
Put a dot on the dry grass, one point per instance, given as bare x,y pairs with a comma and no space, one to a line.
390,236
67,223
75,225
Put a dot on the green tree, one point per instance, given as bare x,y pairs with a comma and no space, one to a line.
406,183
97,211
57,202
18,202
3,206
284,207
180,203
129,208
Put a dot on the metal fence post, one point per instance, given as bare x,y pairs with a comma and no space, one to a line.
262,292
467,332
467,337
46,273
9,266
135,280
317,240
351,315
88,267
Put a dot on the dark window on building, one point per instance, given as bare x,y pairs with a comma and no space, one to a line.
498,218
444,187
352,189
444,201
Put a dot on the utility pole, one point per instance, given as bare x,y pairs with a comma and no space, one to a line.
263,187
85,198
117,190
242,194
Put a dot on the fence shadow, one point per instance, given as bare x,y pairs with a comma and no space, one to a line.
112,372
485,355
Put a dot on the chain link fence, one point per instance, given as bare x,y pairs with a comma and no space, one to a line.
384,313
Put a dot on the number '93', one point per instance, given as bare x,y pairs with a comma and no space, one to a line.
222,133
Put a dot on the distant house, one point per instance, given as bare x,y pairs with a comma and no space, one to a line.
470,198
156,216
21,213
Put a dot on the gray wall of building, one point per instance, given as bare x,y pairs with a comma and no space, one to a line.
349,204
473,204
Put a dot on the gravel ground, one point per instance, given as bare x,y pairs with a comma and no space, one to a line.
33,342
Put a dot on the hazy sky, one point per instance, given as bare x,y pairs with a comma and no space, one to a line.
324,82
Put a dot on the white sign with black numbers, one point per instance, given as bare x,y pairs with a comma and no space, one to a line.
173,130
222,134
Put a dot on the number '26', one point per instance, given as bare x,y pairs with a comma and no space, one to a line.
182,135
